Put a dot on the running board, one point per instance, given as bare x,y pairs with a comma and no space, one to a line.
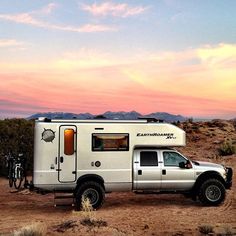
64,198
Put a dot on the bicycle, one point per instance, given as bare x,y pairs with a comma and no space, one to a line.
16,173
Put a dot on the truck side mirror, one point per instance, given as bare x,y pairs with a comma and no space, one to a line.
182,165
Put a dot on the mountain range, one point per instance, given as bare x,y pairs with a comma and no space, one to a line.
121,115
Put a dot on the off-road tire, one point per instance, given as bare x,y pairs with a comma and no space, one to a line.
92,190
211,192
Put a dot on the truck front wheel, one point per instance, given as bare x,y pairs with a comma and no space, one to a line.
212,192
90,190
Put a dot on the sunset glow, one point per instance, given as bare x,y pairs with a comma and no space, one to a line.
95,56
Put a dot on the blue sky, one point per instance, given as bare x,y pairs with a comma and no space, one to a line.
164,25
143,44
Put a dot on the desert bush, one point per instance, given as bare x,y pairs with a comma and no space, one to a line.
190,120
35,229
89,218
234,123
206,229
16,136
195,128
227,231
64,226
226,148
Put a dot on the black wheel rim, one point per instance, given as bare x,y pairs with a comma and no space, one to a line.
92,195
213,193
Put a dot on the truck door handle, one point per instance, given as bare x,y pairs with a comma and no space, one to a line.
61,159
139,172
163,172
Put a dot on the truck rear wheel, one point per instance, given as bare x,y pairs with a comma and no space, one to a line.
212,192
90,190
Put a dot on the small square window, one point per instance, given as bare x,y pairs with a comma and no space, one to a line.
148,158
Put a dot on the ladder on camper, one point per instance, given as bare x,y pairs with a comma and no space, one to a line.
64,198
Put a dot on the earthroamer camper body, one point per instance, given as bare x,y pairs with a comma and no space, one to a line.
92,157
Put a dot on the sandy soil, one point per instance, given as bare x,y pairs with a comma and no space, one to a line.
128,213
125,213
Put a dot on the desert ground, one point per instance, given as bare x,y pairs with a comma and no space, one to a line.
130,213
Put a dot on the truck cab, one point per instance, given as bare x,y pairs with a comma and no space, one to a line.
159,170
167,170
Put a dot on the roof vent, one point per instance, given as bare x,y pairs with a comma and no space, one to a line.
44,119
151,119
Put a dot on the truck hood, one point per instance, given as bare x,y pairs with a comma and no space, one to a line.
206,164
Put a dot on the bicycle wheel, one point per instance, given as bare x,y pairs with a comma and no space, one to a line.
10,175
18,178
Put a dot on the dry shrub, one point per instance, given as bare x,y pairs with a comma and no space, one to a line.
234,124
93,223
35,229
206,229
87,209
228,231
227,148
69,224
89,218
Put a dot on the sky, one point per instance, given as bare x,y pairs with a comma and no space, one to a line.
175,56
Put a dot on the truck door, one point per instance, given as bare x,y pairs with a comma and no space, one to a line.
67,154
174,177
147,171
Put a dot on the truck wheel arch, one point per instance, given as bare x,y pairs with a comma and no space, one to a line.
90,177
204,177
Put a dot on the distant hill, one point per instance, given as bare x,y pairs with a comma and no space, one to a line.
121,115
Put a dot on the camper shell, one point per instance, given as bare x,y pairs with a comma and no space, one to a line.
55,169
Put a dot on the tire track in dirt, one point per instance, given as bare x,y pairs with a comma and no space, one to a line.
228,203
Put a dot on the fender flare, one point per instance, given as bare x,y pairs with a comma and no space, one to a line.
90,177
205,176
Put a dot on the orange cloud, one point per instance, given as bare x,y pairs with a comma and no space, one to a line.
186,82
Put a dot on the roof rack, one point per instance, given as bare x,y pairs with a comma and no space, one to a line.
151,119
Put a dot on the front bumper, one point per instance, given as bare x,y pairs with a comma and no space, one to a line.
229,175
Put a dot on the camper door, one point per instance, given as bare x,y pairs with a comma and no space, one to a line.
67,154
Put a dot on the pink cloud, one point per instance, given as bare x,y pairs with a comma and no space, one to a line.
113,9
33,19
6,43
83,96
169,82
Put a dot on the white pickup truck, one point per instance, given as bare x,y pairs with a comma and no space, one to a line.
92,157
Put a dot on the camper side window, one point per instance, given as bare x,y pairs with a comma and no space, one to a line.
110,142
69,148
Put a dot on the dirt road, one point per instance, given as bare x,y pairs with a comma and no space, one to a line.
124,213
